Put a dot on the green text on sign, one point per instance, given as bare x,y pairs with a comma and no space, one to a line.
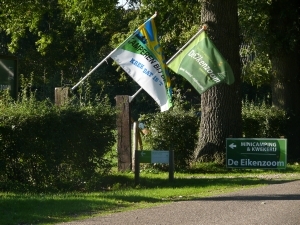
259,153
154,156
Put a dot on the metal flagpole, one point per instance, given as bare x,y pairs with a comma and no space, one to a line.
100,63
92,70
204,27
133,96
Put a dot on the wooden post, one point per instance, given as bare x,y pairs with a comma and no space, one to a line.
135,144
136,168
124,133
61,95
171,165
139,138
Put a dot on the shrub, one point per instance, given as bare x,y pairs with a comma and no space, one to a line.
45,147
175,129
263,121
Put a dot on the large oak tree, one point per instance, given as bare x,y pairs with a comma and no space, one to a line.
221,105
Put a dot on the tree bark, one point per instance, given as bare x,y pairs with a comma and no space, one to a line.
286,95
284,55
285,82
221,105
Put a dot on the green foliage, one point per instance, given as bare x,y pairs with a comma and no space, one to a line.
44,19
256,66
175,129
263,121
269,28
59,42
45,147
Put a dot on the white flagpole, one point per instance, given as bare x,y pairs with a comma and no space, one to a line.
204,27
100,63
133,96
92,70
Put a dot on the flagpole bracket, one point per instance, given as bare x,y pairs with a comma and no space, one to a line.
204,26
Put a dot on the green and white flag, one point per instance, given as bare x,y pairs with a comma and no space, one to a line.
202,64
141,56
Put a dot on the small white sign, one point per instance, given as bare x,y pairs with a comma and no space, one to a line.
160,156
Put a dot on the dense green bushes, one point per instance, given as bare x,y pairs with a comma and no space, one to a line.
178,129
48,148
45,147
262,121
174,130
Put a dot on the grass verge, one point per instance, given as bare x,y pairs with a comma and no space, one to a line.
120,194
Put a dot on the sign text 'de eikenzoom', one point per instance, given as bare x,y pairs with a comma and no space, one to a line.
256,163
256,153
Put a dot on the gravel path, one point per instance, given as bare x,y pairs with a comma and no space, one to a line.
274,204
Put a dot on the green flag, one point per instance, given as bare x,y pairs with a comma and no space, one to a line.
202,64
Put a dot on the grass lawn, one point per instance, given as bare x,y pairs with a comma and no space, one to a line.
120,193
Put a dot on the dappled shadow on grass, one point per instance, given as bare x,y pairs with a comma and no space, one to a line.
187,181
192,182
38,209
32,209
22,210
218,186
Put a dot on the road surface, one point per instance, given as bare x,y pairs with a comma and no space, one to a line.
274,204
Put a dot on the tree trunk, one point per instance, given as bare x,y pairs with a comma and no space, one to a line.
221,105
285,82
286,95
284,55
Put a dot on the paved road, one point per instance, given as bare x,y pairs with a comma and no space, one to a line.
275,204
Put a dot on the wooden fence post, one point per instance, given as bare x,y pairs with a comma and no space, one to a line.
137,144
124,133
61,95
